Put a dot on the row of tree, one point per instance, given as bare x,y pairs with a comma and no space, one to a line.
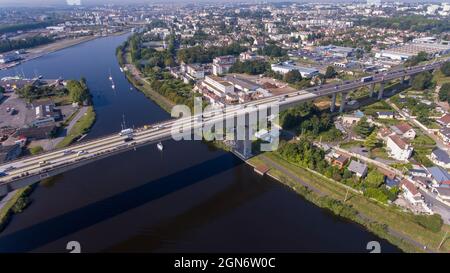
8,44
250,67
199,54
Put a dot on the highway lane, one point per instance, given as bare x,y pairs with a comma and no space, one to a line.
141,135
159,131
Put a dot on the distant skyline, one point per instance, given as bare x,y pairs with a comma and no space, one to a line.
96,2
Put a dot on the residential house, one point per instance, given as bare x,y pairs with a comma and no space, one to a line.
385,115
383,133
411,192
444,134
438,175
440,158
353,118
444,120
358,168
418,171
443,193
404,130
398,148
340,160
389,177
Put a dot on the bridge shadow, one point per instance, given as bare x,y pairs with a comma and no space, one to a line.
156,237
55,228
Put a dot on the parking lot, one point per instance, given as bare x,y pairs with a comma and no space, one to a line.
24,114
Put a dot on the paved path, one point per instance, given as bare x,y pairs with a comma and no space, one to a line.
290,174
5,199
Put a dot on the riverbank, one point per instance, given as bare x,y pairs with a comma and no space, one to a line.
135,78
43,50
39,51
13,203
388,222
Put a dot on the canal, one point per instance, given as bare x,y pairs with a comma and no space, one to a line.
189,198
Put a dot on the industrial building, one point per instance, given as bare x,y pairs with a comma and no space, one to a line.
286,67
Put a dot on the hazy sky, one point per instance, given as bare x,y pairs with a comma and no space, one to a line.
91,2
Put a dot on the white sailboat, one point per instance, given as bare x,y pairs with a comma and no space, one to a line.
160,146
110,76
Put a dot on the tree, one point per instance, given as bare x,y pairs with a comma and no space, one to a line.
371,141
444,92
363,128
374,179
415,60
330,72
445,69
78,90
422,81
292,76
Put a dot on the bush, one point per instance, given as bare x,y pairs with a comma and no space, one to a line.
376,194
36,150
432,222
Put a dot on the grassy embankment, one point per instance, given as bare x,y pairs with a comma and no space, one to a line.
142,85
80,128
18,202
386,221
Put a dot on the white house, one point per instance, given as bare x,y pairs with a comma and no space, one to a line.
385,115
440,158
398,148
410,192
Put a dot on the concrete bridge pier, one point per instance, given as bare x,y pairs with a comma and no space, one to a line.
380,92
371,89
245,125
405,81
343,101
333,103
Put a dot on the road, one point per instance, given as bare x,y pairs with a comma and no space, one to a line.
34,168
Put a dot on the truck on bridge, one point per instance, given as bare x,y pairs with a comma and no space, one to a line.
367,79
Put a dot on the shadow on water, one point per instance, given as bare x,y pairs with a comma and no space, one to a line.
27,239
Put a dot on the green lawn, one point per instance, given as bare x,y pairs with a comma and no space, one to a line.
351,143
81,127
8,208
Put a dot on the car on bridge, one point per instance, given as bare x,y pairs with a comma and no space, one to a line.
44,163
68,152
82,152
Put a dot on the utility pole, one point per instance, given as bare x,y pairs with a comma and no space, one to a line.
443,240
346,194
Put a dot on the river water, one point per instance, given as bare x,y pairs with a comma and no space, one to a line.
189,198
